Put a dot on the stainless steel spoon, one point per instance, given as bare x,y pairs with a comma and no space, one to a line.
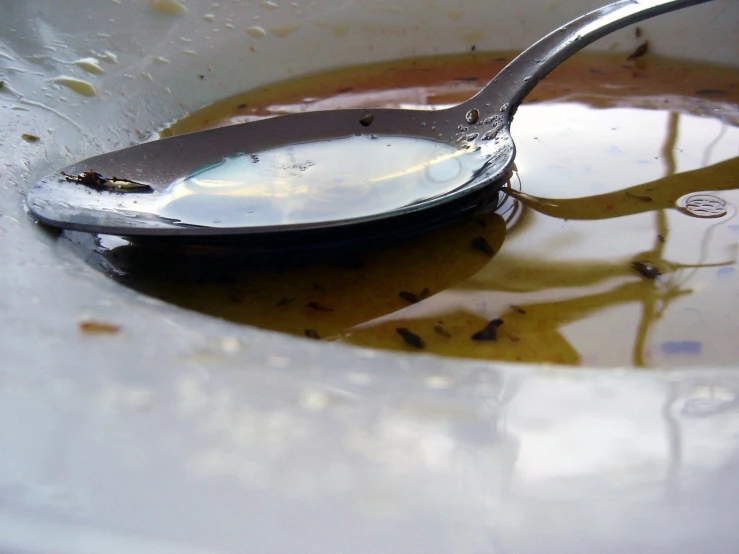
319,172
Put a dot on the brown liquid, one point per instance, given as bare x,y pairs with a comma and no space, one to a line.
605,149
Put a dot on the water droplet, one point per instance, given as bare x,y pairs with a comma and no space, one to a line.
505,107
472,136
526,79
491,120
256,31
79,86
463,128
703,205
91,65
472,116
107,56
489,135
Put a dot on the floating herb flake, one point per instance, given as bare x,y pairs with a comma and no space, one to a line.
640,51
481,244
408,297
489,332
93,327
410,338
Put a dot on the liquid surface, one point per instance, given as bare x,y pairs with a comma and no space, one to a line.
319,181
617,245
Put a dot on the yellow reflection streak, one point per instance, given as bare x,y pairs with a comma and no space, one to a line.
655,195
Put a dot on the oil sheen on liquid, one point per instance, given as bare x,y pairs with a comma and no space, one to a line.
617,245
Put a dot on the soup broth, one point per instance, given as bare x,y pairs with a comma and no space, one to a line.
616,245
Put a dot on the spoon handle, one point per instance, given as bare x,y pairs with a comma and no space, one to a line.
519,77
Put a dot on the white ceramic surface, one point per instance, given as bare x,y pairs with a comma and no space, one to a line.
190,434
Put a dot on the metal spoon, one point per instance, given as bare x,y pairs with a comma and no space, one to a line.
318,173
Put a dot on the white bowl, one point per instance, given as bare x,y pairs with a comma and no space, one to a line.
184,433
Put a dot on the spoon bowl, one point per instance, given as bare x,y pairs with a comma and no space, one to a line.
308,176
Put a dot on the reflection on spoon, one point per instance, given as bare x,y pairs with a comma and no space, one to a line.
318,181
